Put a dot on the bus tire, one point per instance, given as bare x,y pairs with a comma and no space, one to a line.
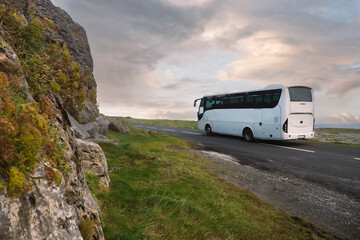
208,130
248,135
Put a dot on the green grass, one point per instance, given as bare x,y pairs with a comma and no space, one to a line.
165,123
161,189
337,136
338,130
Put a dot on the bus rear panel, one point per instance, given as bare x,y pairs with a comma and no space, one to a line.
300,113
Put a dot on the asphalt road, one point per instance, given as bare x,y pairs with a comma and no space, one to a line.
334,166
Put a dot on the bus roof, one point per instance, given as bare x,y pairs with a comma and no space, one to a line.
269,87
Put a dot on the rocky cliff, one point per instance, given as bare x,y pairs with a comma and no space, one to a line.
47,90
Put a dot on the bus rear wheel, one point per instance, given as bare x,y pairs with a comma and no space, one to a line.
248,135
208,130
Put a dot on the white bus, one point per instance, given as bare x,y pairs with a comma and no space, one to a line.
277,112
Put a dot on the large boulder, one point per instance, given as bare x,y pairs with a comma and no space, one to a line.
92,130
93,160
99,126
118,124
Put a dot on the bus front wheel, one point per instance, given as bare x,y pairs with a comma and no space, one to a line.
208,130
248,135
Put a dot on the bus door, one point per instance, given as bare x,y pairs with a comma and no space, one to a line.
201,109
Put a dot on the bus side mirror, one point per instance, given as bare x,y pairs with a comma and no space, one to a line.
196,101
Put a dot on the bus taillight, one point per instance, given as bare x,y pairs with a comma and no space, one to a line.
285,126
314,125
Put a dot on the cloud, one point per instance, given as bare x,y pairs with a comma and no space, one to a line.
185,115
291,43
343,118
190,3
157,56
184,82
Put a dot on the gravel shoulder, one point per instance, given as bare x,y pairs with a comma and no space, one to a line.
335,212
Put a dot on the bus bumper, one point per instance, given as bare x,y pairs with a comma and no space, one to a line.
298,136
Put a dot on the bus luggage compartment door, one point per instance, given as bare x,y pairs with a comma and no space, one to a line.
258,123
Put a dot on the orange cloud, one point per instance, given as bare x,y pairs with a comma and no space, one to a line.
343,118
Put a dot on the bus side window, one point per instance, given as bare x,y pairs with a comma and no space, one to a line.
249,101
267,100
225,103
233,102
209,104
276,97
258,101
218,104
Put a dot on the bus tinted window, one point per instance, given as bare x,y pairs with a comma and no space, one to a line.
258,99
250,99
209,104
267,99
218,103
300,94
276,97
234,100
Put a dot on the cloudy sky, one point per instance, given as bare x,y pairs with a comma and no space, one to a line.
154,57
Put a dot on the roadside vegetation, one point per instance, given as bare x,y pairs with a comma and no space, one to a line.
162,189
338,130
339,136
27,135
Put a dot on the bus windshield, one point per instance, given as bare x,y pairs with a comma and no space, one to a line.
300,94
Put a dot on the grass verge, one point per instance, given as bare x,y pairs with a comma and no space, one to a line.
337,136
338,130
323,135
161,189
166,123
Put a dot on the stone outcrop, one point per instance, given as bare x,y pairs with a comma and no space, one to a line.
99,126
75,38
93,160
70,32
52,211
39,213
56,202
79,130
118,125
97,129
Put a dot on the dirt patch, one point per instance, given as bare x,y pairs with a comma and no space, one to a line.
335,212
